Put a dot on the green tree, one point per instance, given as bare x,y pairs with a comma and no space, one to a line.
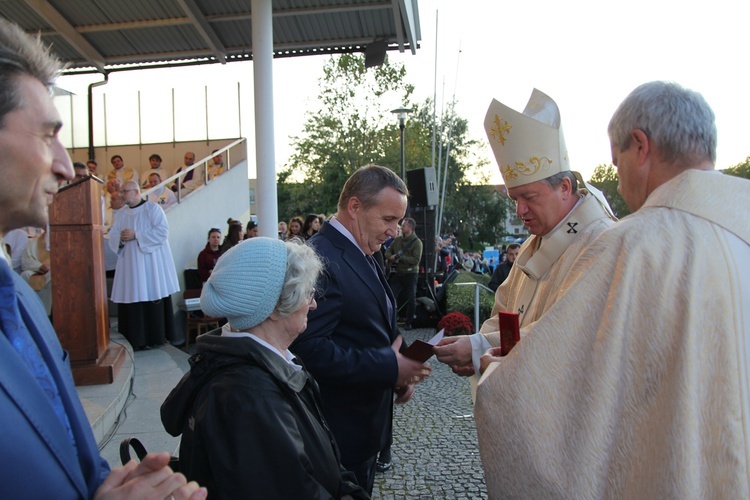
353,127
606,179
346,131
740,170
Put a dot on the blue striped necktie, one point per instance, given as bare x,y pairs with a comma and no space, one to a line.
16,332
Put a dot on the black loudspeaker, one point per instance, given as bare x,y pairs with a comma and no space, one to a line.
375,53
425,219
422,186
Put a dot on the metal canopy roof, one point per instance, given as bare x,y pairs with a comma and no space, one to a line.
106,35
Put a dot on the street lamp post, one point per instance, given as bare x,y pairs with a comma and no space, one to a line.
401,115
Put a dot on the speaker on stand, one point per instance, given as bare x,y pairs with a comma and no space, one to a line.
423,200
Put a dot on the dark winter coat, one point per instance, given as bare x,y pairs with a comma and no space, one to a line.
252,426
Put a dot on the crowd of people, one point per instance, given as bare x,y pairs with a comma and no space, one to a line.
630,378
155,174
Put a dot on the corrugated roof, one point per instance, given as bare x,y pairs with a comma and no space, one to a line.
106,34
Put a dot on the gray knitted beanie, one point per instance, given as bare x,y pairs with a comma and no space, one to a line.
246,283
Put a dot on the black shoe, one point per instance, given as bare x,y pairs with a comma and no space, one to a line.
382,466
407,327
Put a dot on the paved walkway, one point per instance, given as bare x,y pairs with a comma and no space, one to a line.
435,452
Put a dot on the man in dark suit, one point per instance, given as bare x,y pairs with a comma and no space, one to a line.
503,270
47,449
351,344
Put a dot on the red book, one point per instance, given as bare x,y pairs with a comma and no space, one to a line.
510,334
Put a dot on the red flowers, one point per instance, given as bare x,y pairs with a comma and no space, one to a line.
456,323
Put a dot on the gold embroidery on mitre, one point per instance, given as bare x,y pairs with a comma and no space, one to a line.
500,129
535,164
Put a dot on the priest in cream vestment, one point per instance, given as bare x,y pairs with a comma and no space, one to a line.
635,383
530,150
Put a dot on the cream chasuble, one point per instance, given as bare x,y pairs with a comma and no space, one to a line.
635,382
539,271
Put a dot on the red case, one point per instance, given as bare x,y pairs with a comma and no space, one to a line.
510,334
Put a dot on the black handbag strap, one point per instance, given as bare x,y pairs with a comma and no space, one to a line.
140,452
137,446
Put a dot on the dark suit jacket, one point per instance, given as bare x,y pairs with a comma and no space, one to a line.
499,275
38,459
347,347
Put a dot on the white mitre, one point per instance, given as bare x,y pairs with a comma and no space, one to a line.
528,146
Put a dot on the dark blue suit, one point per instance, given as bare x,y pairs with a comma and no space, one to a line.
38,459
347,347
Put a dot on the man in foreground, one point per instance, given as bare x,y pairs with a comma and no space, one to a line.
530,150
351,344
48,449
634,384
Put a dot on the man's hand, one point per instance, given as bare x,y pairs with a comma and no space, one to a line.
463,371
491,356
454,351
127,235
410,372
150,479
404,394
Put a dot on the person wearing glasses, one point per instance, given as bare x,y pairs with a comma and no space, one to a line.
145,275
249,413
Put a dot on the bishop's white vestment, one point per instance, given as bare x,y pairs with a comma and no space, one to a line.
540,268
636,382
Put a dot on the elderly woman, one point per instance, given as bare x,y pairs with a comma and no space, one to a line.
250,415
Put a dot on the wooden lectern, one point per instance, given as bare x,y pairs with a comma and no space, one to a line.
79,287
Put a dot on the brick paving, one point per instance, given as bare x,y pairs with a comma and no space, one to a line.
435,453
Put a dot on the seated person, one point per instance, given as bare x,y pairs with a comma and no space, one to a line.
81,171
249,415
35,267
208,257
111,187
120,171
216,167
16,242
192,179
163,197
154,163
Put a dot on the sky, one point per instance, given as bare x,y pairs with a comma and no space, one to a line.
586,55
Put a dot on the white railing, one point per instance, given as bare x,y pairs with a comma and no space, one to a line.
477,287
203,162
